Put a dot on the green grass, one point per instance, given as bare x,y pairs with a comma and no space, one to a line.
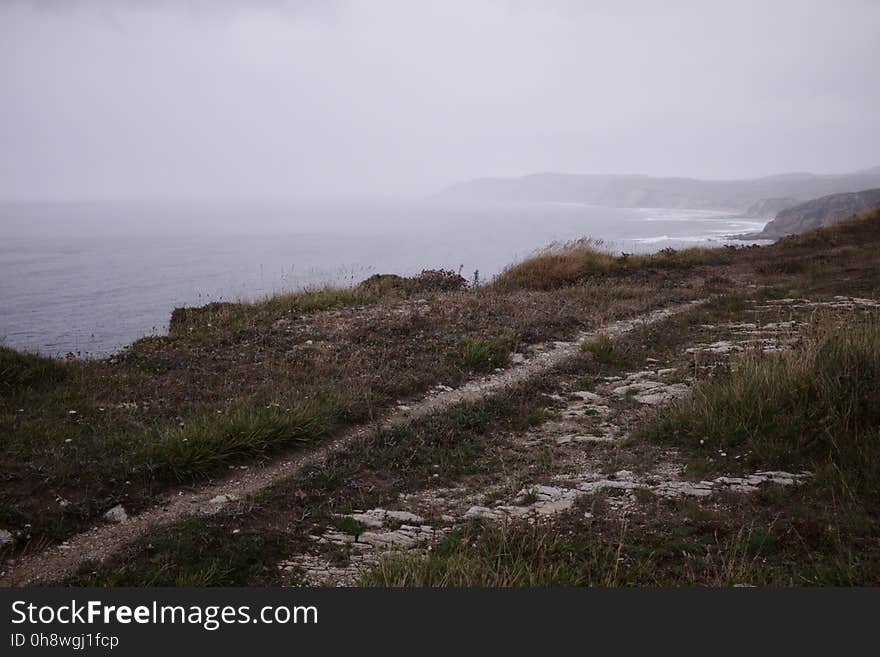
240,316
206,442
191,553
483,354
20,369
506,556
817,407
607,352
217,317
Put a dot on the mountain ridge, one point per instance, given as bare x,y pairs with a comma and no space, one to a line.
641,190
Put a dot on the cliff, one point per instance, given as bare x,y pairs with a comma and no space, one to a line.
764,196
820,212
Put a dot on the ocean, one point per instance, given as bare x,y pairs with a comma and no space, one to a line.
89,278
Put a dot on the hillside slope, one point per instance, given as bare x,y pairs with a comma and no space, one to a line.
820,212
648,191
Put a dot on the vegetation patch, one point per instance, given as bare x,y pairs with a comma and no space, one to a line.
483,354
608,351
191,553
507,556
216,317
206,442
20,369
816,407
569,263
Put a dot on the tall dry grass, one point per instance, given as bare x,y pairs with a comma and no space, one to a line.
815,407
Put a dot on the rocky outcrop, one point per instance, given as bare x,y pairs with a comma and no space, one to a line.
820,212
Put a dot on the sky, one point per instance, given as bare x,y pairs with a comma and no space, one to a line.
291,98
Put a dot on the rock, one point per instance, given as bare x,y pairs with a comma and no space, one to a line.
517,358
117,514
370,518
663,395
554,506
404,516
593,439
6,537
480,512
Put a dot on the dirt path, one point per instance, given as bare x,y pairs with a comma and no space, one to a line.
587,443
99,543
589,454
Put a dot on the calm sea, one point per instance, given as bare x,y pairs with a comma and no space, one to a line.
90,278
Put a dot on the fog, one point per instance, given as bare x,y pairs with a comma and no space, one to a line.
275,99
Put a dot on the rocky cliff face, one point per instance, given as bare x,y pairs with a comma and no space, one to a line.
820,212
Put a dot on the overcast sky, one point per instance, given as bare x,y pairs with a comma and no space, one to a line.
257,98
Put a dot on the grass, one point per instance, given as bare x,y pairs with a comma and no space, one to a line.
21,369
483,354
199,447
569,263
817,407
606,351
504,556
240,316
191,554
679,544
243,315
365,474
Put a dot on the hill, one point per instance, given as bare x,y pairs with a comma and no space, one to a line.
648,191
820,212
